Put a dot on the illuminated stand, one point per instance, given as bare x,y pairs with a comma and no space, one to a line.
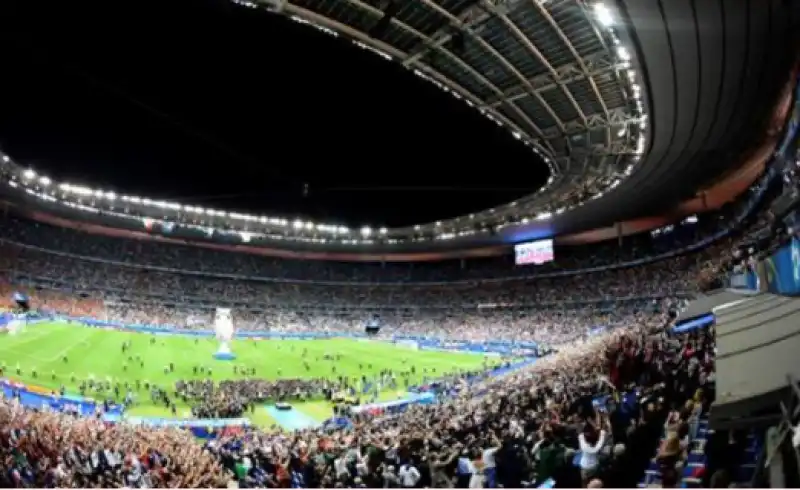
223,327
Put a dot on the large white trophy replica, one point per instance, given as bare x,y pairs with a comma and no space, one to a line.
223,327
16,324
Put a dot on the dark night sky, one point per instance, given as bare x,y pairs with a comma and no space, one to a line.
209,103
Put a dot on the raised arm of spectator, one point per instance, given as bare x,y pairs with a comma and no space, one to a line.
592,448
496,442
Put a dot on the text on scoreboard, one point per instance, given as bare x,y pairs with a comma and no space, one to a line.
537,253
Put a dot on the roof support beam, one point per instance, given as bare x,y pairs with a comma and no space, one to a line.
617,118
458,61
534,50
595,66
616,148
445,82
507,64
614,118
473,16
543,11
483,93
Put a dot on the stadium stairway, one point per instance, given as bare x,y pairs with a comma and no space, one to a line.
695,464
746,471
692,476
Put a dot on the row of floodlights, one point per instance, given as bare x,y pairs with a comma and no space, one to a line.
30,180
29,177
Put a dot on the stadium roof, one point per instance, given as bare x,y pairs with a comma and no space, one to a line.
687,84
634,104
558,74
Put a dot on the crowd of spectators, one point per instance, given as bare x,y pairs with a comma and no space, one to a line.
548,309
59,450
664,278
516,431
605,397
154,254
53,300
551,327
520,430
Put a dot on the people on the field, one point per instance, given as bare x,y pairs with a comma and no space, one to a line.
515,431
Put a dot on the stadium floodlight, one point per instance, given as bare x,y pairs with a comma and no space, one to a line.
603,14
29,174
366,231
45,181
623,54
276,6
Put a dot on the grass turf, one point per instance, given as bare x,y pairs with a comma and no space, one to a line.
98,353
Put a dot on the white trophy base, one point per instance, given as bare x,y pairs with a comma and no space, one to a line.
224,352
15,326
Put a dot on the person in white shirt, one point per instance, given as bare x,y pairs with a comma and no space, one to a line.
476,480
489,463
340,466
409,476
464,470
590,445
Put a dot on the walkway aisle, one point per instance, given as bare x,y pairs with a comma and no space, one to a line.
694,466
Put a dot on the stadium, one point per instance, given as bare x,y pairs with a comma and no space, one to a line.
607,299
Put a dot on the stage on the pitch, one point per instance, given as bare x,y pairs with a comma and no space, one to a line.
224,356
291,419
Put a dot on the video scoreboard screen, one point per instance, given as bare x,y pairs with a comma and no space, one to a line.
537,253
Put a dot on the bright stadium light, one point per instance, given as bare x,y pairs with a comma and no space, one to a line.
29,174
603,14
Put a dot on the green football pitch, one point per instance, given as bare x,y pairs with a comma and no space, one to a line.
94,353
